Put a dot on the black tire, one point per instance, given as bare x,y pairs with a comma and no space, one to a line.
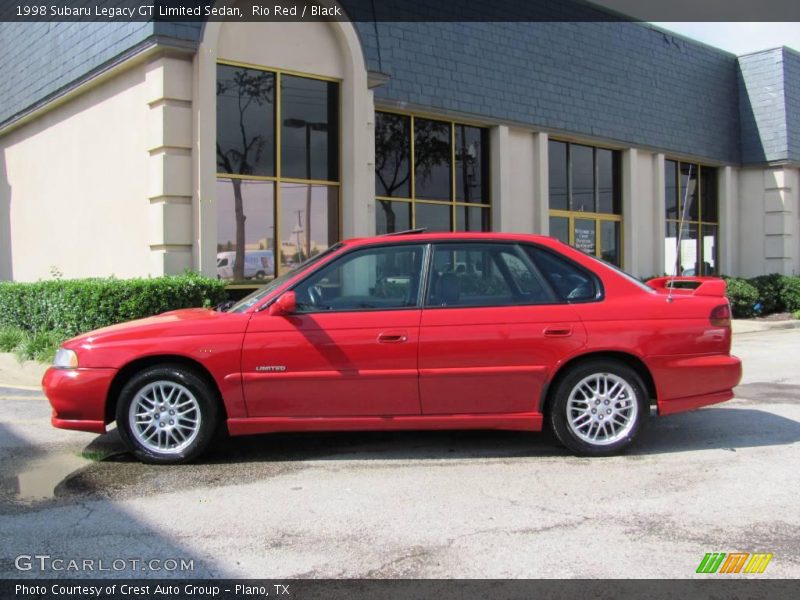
261,275
189,386
560,412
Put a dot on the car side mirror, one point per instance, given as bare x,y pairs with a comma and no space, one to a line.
285,305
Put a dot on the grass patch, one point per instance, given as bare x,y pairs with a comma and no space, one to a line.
797,314
10,338
93,455
27,345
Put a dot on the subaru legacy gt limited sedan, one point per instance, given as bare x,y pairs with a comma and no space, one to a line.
410,331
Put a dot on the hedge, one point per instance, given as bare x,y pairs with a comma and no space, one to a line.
74,306
743,297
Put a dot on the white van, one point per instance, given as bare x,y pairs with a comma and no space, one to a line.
258,264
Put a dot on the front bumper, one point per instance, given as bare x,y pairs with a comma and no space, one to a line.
78,397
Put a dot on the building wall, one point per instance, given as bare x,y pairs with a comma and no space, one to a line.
769,226
73,186
120,177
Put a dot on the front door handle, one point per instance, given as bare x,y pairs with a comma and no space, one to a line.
558,331
392,337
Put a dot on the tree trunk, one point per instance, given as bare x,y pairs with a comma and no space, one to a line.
238,263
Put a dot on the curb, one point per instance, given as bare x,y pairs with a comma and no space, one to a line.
749,326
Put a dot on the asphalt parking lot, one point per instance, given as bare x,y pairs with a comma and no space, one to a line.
450,504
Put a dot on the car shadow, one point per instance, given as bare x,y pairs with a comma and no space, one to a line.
708,428
231,461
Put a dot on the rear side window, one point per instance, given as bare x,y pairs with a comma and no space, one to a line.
570,282
484,275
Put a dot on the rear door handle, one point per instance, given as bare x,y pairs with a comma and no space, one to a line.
558,331
392,337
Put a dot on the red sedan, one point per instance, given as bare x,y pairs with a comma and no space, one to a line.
414,331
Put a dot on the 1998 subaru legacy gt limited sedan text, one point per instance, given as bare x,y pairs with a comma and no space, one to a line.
412,331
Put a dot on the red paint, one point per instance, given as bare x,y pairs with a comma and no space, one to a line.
431,368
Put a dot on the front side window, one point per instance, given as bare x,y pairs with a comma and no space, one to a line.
690,198
475,275
370,279
586,198
430,173
277,183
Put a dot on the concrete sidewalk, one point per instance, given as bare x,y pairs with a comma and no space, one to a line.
28,375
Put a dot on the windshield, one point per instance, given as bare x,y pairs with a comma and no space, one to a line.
251,299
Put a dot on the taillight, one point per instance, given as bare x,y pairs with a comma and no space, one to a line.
721,316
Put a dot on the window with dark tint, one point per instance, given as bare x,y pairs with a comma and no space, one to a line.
392,155
570,282
432,159
434,217
609,196
470,218
557,157
309,128
251,233
691,197
261,217
582,178
671,188
688,191
586,198
392,216
471,168
369,279
245,121
474,275
447,187
559,228
709,209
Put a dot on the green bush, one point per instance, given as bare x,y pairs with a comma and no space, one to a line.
790,293
10,338
769,292
70,307
742,295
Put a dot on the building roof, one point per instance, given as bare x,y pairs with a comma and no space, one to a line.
621,82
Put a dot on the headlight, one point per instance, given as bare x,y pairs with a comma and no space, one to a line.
65,359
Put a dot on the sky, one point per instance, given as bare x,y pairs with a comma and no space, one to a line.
740,37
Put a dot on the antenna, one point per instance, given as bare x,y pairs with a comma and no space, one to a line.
671,283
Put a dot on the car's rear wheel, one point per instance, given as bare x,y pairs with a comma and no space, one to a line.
166,414
599,407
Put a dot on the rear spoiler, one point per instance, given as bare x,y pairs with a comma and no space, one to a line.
695,286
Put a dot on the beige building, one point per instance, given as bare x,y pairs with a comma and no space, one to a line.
281,138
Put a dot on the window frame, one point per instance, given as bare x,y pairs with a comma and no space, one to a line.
278,179
426,249
519,253
700,223
571,215
453,203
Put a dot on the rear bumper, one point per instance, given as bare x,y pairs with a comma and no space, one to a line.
78,397
686,383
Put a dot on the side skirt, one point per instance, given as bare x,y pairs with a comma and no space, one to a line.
511,422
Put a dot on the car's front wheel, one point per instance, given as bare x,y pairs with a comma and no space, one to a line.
166,414
598,408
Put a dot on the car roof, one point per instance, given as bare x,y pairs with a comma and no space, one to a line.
414,236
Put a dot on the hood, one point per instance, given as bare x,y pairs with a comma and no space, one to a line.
187,321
